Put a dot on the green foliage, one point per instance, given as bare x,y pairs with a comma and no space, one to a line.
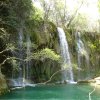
92,46
39,23
99,5
3,34
93,42
14,13
80,22
20,8
15,65
46,54
37,14
3,85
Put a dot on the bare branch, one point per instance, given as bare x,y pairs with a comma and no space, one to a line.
4,61
52,76
10,58
4,51
73,16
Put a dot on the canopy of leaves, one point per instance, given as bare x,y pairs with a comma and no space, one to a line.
46,54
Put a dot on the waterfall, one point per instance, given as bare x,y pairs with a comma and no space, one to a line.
82,52
20,42
25,69
68,73
28,63
17,78
19,81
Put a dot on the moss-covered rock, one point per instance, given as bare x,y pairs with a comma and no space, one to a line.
3,84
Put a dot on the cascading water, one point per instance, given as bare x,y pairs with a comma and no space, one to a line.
18,80
28,66
67,73
20,51
25,69
82,52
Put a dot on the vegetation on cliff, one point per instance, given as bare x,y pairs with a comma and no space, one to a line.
23,16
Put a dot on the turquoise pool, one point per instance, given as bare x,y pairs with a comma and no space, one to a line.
53,92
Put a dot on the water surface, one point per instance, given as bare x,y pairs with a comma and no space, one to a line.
53,92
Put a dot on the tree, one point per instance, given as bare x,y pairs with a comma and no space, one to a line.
58,11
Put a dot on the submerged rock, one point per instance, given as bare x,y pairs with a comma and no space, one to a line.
97,80
84,81
66,82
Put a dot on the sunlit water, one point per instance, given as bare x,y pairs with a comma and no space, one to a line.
53,92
